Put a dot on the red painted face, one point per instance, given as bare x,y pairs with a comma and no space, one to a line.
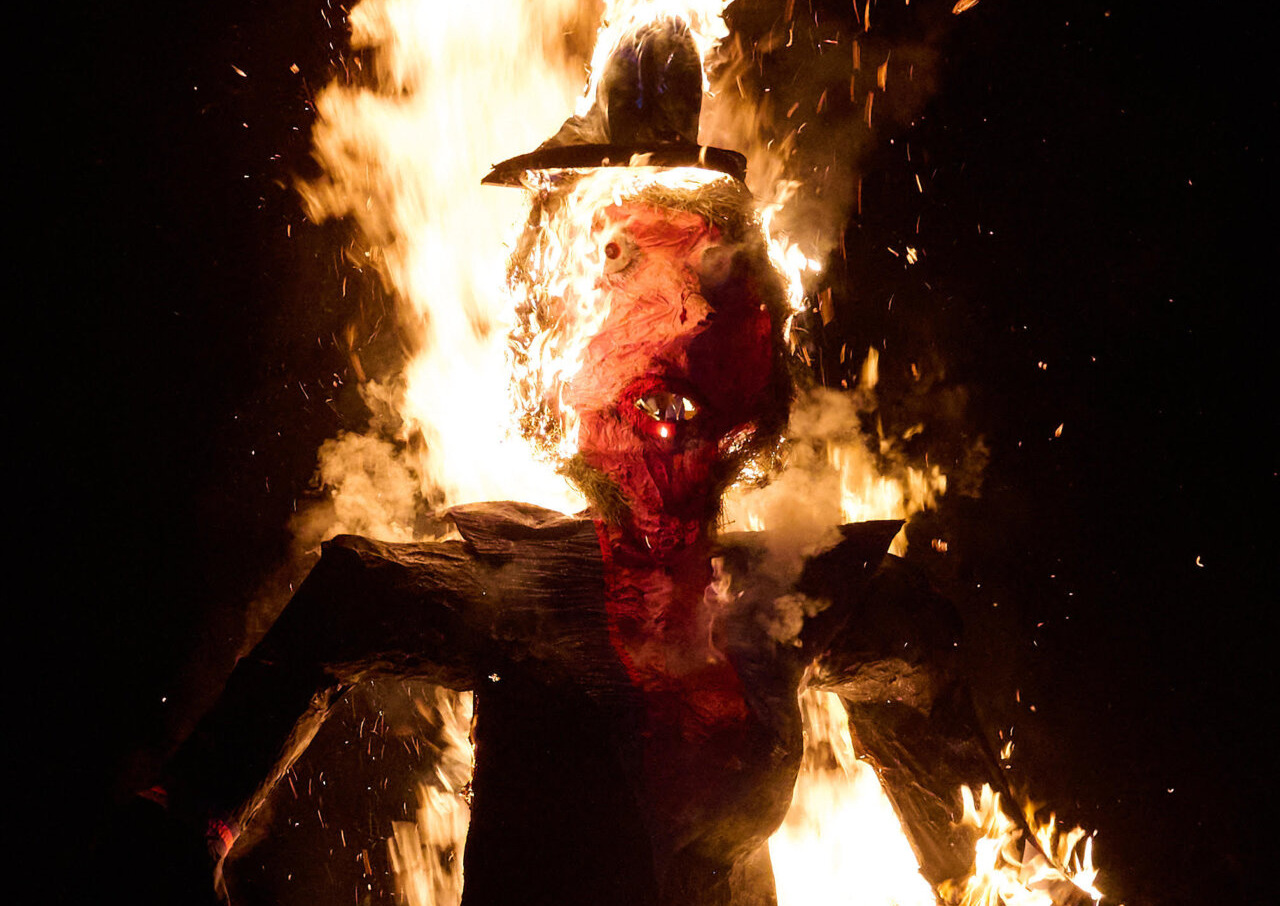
682,363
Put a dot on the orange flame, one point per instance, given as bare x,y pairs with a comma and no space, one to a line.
1057,868
427,854
841,841
404,160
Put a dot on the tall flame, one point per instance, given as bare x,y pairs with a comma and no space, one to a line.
427,854
841,841
404,160
1056,868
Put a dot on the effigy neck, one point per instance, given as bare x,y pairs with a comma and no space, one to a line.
656,588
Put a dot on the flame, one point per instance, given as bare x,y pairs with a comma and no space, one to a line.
404,159
426,854
841,841
403,154
1056,868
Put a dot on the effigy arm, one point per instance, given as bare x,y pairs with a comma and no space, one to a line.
367,609
910,715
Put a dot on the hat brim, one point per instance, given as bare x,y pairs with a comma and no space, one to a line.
589,156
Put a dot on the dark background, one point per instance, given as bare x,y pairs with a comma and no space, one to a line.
1094,181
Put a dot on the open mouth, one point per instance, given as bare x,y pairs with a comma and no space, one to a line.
665,413
666,406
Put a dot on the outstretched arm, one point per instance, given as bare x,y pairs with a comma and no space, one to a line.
892,662
367,609
518,590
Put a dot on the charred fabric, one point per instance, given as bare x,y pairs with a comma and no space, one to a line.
637,731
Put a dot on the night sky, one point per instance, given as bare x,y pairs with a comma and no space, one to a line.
1095,256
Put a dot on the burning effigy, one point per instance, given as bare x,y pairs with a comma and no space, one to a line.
637,669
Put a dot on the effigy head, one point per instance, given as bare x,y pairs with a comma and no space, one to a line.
649,347
649,341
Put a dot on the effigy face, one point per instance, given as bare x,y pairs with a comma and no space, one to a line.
681,364
672,319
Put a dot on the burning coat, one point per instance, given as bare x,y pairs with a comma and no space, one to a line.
593,785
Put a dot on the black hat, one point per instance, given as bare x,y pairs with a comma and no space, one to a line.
646,113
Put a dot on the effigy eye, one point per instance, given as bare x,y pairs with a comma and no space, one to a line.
617,252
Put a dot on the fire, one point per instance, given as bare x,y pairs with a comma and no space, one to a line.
1056,868
841,841
457,87
427,854
404,160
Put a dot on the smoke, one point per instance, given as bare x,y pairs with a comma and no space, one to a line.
374,490
837,466
800,150
835,469
796,93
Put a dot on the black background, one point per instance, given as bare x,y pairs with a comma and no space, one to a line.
1095,191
